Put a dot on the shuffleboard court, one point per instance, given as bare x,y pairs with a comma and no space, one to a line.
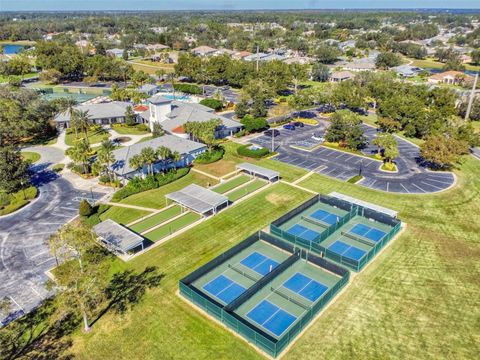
231,184
173,226
245,190
260,263
347,251
156,219
271,317
224,289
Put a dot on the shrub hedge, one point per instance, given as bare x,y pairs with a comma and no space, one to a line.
209,157
188,88
212,104
256,154
138,185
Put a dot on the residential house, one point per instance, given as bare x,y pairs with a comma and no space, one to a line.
365,64
173,114
204,51
115,52
241,55
449,77
406,71
187,149
149,89
339,76
99,114
157,47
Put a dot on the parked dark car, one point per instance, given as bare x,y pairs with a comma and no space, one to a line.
271,133
289,127
326,108
298,124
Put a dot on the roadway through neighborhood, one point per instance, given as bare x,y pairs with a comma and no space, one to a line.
24,254
298,148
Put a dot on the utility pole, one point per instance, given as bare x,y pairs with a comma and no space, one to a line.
257,58
472,96
273,140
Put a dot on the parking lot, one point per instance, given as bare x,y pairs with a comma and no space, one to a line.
24,253
297,147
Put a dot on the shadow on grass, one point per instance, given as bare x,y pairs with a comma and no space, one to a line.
38,335
126,289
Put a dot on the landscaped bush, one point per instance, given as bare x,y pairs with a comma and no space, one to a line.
138,185
187,88
256,154
94,218
240,133
307,121
58,167
85,208
252,124
214,104
209,157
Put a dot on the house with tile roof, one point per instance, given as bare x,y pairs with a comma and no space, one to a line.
449,77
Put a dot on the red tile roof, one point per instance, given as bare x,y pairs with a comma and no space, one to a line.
178,130
140,108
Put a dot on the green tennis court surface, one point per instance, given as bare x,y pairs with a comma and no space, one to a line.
245,190
231,184
173,226
156,219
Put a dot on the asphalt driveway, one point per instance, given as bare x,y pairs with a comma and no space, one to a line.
298,148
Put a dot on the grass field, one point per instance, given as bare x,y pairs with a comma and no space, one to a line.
417,300
231,159
231,184
433,64
123,215
156,219
30,155
245,190
150,67
155,199
173,226
94,137
130,130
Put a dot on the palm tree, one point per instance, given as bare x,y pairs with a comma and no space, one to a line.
149,157
68,106
171,78
136,162
83,118
80,153
176,157
163,153
105,155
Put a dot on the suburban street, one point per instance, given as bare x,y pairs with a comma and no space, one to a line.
298,148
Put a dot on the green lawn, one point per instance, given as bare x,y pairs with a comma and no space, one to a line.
245,190
173,226
26,76
30,155
12,202
123,215
231,159
155,199
156,219
432,63
232,184
94,137
162,326
130,130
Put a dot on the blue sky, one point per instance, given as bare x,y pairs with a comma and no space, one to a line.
50,5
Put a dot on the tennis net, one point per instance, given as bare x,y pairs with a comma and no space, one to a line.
315,222
247,275
289,298
359,239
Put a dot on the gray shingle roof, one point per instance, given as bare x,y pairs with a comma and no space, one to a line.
159,99
98,111
184,112
174,143
197,198
117,236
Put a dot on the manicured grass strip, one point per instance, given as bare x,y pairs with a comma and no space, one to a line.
94,136
30,155
130,130
171,227
245,190
232,184
156,219
123,215
155,199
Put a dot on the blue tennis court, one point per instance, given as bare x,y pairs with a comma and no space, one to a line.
224,289
368,232
346,250
305,286
271,317
303,232
325,216
260,263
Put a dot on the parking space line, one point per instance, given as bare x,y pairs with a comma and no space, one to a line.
16,303
418,187
434,186
404,188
